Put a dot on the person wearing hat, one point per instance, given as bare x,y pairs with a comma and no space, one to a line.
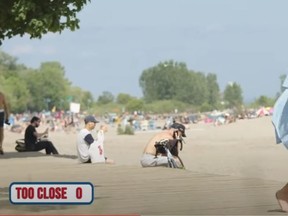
151,157
91,150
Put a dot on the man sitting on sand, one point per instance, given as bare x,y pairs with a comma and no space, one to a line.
91,150
149,157
32,142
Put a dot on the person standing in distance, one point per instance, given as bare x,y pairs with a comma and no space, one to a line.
4,116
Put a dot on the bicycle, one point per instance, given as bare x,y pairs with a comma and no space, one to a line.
164,146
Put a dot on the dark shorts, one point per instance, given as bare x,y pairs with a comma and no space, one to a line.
89,161
2,119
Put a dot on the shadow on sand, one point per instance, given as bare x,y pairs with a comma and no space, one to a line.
9,155
6,205
276,210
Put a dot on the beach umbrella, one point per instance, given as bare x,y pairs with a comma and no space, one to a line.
280,116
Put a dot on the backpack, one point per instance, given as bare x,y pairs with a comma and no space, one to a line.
20,147
171,144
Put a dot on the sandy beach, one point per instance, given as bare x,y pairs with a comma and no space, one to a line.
245,150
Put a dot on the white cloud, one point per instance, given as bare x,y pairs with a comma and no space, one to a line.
25,49
48,50
22,49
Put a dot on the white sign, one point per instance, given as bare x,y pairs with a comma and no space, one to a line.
74,107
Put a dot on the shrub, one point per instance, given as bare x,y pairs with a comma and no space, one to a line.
127,130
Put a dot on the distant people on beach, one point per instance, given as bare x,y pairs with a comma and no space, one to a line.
33,140
151,157
91,150
4,118
16,128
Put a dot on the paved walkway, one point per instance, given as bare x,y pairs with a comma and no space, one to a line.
143,191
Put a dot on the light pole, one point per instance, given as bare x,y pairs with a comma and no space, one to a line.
47,101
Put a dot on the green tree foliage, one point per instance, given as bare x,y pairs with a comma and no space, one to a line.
48,85
166,87
7,63
78,95
36,18
167,106
263,101
12,84
213,91
194,91
39,89
123,98
17,93
233,95
134,105
173,81
105,98
127,130
161,82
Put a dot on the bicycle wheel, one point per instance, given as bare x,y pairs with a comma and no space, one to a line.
172,163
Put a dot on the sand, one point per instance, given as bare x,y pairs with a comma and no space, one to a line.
242,150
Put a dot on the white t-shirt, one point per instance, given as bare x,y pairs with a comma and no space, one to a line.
95,151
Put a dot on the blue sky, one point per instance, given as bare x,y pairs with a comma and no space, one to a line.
244,41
